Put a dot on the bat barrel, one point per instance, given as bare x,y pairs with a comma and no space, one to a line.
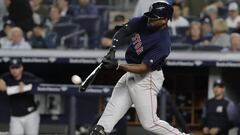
90,78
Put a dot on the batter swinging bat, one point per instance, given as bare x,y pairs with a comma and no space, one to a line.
90,78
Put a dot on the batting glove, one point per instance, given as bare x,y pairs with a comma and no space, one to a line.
110,63
111,53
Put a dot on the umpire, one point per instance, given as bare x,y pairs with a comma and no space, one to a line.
17,84
219,113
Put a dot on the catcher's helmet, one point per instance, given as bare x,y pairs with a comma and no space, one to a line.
160,10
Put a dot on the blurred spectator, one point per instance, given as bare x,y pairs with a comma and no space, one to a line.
85,7
219,113
177,20
141,7
185,7
6,27
39,8
5,15
206,27
42,38
3,12
17,84
64,7
3,7
21,14
218,3
55,17
194,36
230,1
17,40
7,3
212,12
195,6
235,42
39,11
220,38
222,10
233,17
237,30
5,34
106,40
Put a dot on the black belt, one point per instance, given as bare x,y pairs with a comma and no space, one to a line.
159,69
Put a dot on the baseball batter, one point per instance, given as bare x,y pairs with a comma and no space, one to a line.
144,78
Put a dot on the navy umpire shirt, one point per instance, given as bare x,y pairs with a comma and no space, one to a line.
149,47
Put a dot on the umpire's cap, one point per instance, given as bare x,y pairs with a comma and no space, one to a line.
15,63
160,10
219,83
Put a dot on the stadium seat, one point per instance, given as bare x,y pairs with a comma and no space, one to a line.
180,46
92,26
231,30
177,39
48,2
74,2
192,18
207,48
64,30
102,2
182,30
223,12
66,19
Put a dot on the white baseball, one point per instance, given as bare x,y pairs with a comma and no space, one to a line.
76,79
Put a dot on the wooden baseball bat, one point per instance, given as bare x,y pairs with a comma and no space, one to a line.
91,77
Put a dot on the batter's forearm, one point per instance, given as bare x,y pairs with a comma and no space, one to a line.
135,68
121,34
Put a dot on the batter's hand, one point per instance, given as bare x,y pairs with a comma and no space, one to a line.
111,53
110,63
3,85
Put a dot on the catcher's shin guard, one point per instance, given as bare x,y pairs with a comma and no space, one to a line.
98,130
